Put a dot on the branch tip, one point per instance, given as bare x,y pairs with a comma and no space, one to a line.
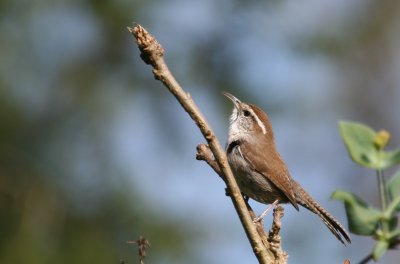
149,47
204,153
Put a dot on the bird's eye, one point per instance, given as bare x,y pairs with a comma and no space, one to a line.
246,113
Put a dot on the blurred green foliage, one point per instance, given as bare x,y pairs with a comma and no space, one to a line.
62,199
366,148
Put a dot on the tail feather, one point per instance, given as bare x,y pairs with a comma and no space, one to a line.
333,225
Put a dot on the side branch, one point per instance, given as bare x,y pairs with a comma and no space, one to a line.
274,237
152,53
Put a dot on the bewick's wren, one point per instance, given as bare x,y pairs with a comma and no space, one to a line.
260,171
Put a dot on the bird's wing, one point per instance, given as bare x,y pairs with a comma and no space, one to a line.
271,164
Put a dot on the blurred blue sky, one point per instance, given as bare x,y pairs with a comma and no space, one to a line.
308,64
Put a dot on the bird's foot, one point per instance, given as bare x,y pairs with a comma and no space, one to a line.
265,212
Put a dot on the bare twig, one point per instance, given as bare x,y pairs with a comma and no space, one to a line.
143,244
204,153
274,238
152,53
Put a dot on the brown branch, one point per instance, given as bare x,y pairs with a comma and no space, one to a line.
152,53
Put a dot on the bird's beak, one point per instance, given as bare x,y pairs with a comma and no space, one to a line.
236,102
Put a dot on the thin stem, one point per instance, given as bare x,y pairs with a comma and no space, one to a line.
382,189
366,259
383,197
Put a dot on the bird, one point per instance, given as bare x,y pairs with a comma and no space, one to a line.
259,169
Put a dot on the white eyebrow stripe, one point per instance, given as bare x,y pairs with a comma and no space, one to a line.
259,122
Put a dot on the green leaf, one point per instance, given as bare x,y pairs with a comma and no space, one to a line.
394,235
361,144
380,248
390,158
359,141
392,208
362,218
393,186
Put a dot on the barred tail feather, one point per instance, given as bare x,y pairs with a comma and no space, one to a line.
333,225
